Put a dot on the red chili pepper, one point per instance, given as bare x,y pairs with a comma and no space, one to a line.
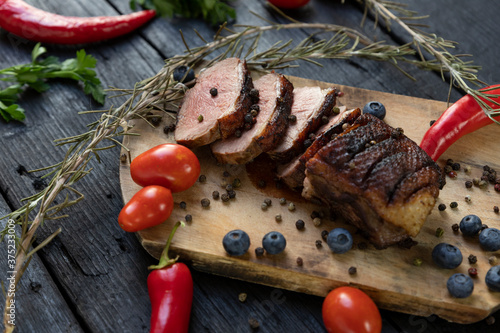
32,23
170,288
463,117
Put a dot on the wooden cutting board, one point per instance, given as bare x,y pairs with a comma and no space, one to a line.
389,276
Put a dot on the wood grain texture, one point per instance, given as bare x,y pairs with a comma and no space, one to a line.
389,276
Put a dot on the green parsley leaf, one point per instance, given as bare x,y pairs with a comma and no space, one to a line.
211,11
36,74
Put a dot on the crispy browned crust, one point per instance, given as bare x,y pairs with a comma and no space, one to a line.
276,127
230,123
377,179
293,173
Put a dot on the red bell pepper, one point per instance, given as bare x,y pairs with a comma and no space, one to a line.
170,287
463,117
35,24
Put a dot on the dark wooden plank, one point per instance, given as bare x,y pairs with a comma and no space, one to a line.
35,291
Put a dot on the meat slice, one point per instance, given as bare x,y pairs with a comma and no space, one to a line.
377,179
204,117
310,105
275,101
293,173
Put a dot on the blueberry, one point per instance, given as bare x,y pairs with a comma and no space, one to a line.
180,72
447,256
460,285
339,240
236,242
489,239
376,109
470,225
274,242
492,278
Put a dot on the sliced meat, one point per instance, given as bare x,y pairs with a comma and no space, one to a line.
293,173
310,105
204,117
377,179
275,101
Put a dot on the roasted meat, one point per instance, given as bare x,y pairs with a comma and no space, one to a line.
377,179
293,173
215,107
275,101
310,105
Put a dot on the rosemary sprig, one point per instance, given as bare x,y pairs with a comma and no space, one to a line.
160,92
462,73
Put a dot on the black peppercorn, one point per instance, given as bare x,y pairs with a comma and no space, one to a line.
215,195
229,187
299,224
432,122
324,234
254,94
259,251
472,259
123,158
282,201
182,205
314,214
454,204
155,121
224,197
486,168
213,92
441,207
248,118
448,169
307,143
237,133
202,178
352,270
468,184
254,113
449,161
292,118
188,218
299,261
255,107
231,194
166,129
455,227
319,244
455,166
496,209
205,202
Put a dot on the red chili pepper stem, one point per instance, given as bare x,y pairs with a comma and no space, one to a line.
165,261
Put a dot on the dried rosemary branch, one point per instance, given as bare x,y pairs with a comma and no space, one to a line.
461,72
160,90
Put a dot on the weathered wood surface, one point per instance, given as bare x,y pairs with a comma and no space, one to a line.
389,275
99,270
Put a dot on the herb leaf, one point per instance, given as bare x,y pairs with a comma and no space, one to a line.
211,11
35,76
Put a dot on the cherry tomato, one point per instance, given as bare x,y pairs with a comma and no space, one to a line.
347,309
151,206
169,165
289,4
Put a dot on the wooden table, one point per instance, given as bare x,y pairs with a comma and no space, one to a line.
92,277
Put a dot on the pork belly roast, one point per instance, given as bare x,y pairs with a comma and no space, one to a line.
293,173
310,105
377,179
216,106
275,102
